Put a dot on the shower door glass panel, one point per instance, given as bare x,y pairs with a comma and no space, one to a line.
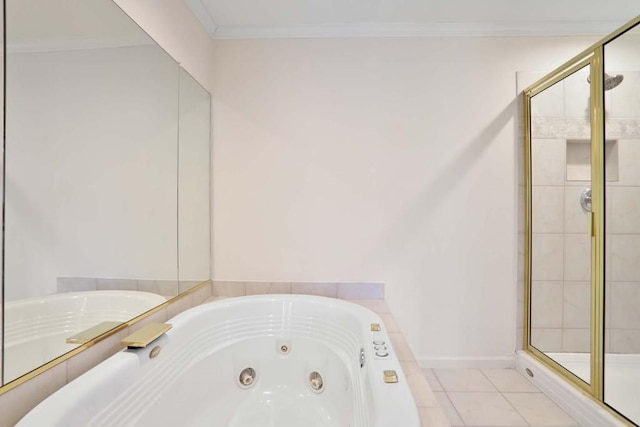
622,228
561,223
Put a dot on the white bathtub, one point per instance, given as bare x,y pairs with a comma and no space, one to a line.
37,328
194,380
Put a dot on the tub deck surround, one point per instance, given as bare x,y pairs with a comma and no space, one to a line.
284,339
342,290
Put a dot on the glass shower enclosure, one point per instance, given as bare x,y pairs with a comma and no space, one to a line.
582,248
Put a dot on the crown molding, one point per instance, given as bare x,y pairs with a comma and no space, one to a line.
448,29
203,15
58,45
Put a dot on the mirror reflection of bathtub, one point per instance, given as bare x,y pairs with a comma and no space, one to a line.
110,191
37,329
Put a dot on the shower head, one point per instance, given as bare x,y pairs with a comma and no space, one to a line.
610,81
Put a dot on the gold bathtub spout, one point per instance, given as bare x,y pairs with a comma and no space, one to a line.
146,335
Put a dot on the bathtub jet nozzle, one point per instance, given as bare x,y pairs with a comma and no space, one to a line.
316,382
247,377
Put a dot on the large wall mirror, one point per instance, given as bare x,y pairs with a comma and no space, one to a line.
106,201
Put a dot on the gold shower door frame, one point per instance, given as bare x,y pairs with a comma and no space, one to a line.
593,56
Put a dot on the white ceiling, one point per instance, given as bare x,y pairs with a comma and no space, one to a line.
329,18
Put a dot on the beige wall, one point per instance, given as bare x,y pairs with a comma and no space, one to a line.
390,160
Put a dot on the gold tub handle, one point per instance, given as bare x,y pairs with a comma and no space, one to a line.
146,335
93,332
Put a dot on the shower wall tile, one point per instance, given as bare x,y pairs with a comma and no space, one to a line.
625,341
576,95
628,161
547,340
549,103
546,309
624,211
576,340
625,258
561,128
576,312
577,257
607,304
625,103
576,220
578,162
548,161
547,214
625,305
547,257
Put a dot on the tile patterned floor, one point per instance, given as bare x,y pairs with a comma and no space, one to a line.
493,397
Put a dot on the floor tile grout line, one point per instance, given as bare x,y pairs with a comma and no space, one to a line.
489,379
455,408
515,409
446,393
526,422
494,392
436,378
501,395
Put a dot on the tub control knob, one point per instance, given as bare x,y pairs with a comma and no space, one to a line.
379,347
378,342
382,353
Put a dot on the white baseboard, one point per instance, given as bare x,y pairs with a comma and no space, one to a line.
574,402
498,362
